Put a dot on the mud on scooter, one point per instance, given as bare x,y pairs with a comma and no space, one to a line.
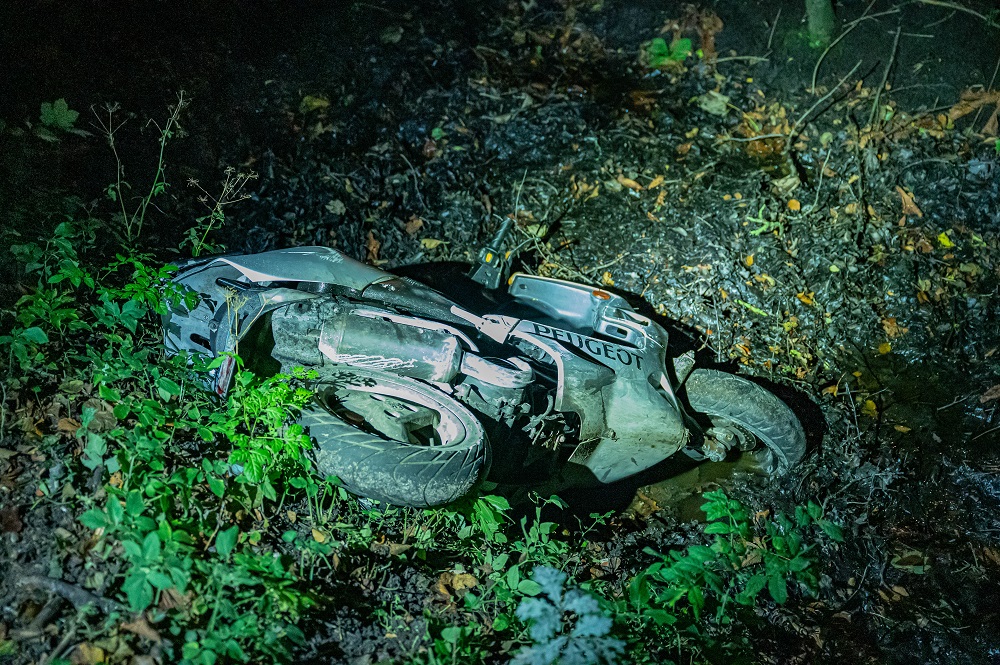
419,393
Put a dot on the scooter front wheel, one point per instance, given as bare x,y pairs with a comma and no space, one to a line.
771,436
393,438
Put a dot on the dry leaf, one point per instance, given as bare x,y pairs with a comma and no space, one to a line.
372,245
991,394
431,243
655,182
972,100
909,207
142,628
628,182
893,329
413,225
884,348
318,536
86,654
806,298
794,205
901,428
67,425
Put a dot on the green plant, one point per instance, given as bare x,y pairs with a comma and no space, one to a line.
57,117
744,558
130,220
566,626
232,192
658,53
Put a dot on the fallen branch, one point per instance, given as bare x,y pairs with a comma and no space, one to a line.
74,594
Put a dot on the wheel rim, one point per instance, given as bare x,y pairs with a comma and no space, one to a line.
396,413
755,455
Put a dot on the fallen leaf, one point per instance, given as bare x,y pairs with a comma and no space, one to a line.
431,243
142,628
892,328
413,225
806,298
991,394
869,409
372,245
655,182
312,103
944,240
972,100
909,207
67,425
884,348
831,390
628,182
794,205
748,261
318,536
86,654
713,102
901,428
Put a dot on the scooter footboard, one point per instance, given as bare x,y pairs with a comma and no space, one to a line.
642,430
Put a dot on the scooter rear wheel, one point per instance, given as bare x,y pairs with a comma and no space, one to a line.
726,401
394,439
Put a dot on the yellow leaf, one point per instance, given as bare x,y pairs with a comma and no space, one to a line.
655,182
89,655
901,428
869,409
607,279
830,390
794,205
431,243
884,348
628,182
319,536
806,298
311,103
944,240
748,260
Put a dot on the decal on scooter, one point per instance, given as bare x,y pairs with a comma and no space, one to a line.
595,347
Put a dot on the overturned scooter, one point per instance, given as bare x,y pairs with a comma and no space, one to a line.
417,394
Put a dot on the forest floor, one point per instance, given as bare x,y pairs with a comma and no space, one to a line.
825,221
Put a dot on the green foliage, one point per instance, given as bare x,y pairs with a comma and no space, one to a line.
659,54
58,115
744,558
566,626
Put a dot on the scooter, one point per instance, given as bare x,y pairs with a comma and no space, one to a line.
418,395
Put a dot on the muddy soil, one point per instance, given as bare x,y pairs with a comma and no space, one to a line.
848,260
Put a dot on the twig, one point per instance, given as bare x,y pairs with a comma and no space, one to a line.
957,7
819,187
754,138
798,123
74,594
853,24
773,26
993,79
885,77
751,58
416,183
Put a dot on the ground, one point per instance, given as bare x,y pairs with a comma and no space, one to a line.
848,260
